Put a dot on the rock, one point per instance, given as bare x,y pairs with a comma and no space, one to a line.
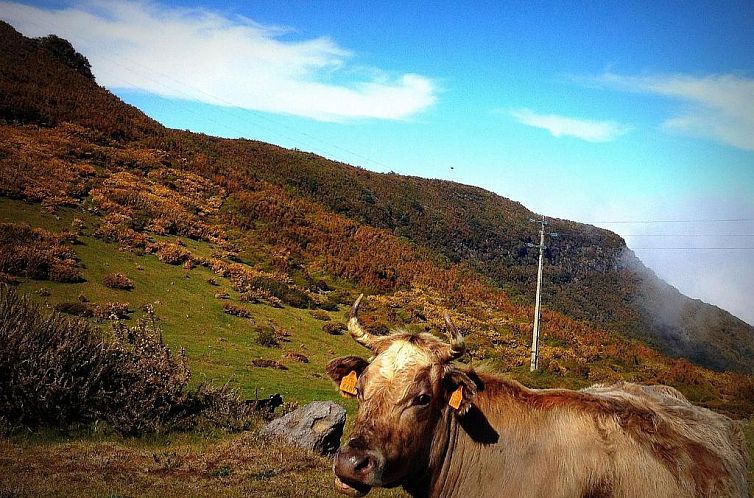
317,426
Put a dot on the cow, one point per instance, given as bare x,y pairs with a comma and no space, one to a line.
265,406
442,429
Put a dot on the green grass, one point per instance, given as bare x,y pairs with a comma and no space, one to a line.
177,465
220,347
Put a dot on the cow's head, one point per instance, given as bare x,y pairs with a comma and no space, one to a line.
403,392
275,400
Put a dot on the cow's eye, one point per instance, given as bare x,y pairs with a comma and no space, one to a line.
422,400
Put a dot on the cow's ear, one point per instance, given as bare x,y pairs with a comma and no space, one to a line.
459,390
339,368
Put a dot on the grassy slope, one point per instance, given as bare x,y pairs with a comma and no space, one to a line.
219,346
589,274
219,349
165,467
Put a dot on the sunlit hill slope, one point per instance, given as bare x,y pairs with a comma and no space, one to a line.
233,240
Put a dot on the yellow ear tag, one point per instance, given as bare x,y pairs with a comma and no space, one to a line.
348,383
456,397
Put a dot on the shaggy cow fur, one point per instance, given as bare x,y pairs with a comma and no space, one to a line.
505,440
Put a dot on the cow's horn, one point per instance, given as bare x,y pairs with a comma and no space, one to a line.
456,347
354,327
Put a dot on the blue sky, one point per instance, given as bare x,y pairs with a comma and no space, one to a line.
591,111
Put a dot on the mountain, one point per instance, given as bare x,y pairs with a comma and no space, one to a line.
68,142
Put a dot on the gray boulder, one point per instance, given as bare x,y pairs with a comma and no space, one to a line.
316,426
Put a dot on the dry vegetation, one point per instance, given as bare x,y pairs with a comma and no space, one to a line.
242,465
302,237
118,281
278,222
164,202
37,253
63,373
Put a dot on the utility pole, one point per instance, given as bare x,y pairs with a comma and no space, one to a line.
537,309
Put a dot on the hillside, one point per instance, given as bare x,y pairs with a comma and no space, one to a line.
230,240
590,275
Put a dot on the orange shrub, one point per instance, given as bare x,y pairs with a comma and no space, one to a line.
37,253
118,281
172,254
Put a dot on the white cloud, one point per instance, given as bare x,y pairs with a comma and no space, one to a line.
584,129
203,56
719,107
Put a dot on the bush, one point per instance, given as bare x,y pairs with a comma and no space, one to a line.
212,407
292,355
101,311
378,328
319,315
172,254
118,281
264,363
236,310
108,311
267,336
255,295
334,328
61,372
37,253
289,295
116,227
64,272
64,52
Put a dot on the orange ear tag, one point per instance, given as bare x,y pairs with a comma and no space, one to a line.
456,397
348,383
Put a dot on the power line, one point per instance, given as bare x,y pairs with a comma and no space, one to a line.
693,248
688,235
729,220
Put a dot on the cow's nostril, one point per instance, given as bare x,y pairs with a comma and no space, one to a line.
363,464
355,466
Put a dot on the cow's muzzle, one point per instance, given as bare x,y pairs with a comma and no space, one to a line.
357,469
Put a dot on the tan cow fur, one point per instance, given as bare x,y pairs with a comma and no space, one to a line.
622,440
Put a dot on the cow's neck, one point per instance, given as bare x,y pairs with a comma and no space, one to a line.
460,445
432,482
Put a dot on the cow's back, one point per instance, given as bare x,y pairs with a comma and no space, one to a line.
706,451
